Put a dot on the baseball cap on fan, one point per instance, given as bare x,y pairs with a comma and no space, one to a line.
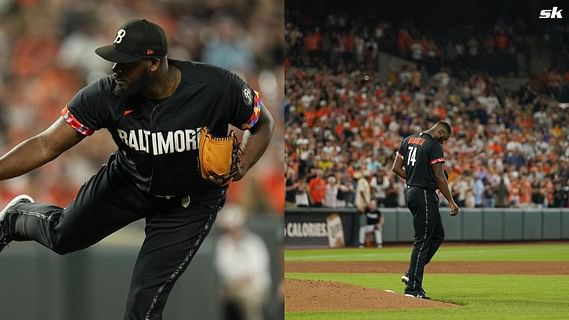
134,41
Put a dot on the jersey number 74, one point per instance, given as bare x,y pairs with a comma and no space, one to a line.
411,156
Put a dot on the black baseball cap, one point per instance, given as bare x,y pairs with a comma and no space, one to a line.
136,40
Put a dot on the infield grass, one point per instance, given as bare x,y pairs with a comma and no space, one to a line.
452,252
480,296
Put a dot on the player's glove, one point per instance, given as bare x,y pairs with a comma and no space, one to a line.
218,157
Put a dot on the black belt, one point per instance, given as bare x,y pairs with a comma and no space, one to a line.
408,187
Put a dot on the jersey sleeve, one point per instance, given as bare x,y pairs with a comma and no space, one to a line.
87,112
437,153
245,104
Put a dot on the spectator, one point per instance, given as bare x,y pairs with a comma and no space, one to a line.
313,44
392,193
460,189
317,189
291,185
502,194
242,262
331,196
489,200
379,184
363,191
478,192
537,194
301,198
560,196
374,223
346,194
363,195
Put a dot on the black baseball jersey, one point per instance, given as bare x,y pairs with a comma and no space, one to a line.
373,216
158,140
419,152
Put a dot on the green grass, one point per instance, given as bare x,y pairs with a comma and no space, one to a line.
510,252
480,296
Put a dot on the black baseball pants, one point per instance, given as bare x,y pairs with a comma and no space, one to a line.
105,204
429,233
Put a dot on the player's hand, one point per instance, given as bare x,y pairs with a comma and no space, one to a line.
219,181
453,208
237,174
240,172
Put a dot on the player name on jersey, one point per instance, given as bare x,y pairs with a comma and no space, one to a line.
416,140
157,143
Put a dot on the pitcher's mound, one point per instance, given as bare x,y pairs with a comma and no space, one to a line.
310,295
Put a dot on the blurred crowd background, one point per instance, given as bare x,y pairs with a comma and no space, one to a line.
498,73
46,55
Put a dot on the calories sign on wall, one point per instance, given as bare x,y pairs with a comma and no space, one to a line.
313,230
306,230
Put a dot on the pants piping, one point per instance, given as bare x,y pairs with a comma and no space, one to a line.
424,238
179,269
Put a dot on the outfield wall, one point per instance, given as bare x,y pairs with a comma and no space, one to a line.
306,227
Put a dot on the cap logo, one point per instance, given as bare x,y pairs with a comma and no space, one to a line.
120,35
149,52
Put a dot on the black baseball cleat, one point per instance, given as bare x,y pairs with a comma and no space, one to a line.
421,294
405,278
4,239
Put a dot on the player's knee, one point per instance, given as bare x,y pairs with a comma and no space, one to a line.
64,245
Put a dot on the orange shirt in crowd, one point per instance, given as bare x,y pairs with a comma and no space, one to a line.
317,189
441,112
309,117
502,41
404,40
313,41
525,121
348,41
323,112
496,148
339,129
525,191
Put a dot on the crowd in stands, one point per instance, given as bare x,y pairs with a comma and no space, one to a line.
510,147
47,54
499,49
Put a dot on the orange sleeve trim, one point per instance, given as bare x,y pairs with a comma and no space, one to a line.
74,123
437,160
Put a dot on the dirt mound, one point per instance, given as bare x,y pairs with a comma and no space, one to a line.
310,295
